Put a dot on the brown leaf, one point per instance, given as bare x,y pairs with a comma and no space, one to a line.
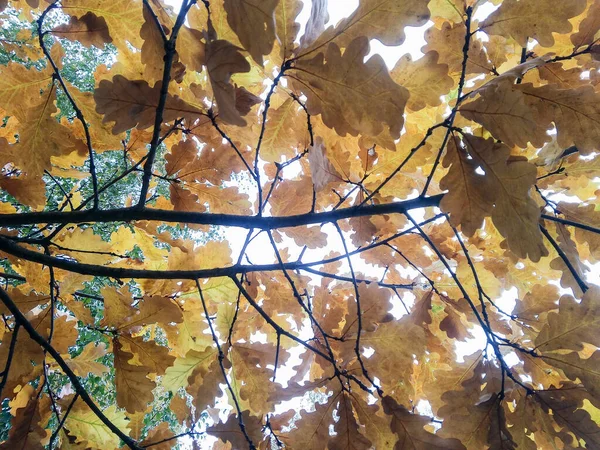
254,23
425,79
409,429
88,30
337,89
515,214
573,324
230,432
224,59
321,169
521,20
470,194
134,389
348,430
133,104
26,432
383,20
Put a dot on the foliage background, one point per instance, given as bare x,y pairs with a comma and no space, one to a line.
222,229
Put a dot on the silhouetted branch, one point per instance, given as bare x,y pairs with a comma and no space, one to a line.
77,386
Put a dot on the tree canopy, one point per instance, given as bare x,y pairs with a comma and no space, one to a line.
222,226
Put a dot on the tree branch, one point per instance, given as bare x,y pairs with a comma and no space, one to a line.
77,386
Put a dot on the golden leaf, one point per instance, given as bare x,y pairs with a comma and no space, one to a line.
335,86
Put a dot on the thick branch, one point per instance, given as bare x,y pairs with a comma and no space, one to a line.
233,220
9,246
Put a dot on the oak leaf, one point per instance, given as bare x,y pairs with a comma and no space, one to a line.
133,104
409,429
384,20
321,169
229,431
224,59
84,425
254,23
89,30
425,79
522,20
572,325
353,97
515,214
134,389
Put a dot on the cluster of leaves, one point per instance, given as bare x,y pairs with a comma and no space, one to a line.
392,212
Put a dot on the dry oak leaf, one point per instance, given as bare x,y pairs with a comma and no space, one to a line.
321,169
409,429
39,129
577,368
88,30
224,59
292,197
229,432
575,112
421,312
254,23
134,389
319,16
159,433
180,408
539,300
154,357
573,324
384,20
589,26
312,237
286,27
452,10
567,413
353,97
311,431
515,213
153,310
26,431
483,425
502,109
448,41
205,385
186,369
516,114
376,425
374,304
21,86
28,190
251,382
25,302
425,79
123,17
117,307
395,343
569,248
348,430
470,194
133,103
153,49
83,423
100,132
587,215
285,132
86,362
523,19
